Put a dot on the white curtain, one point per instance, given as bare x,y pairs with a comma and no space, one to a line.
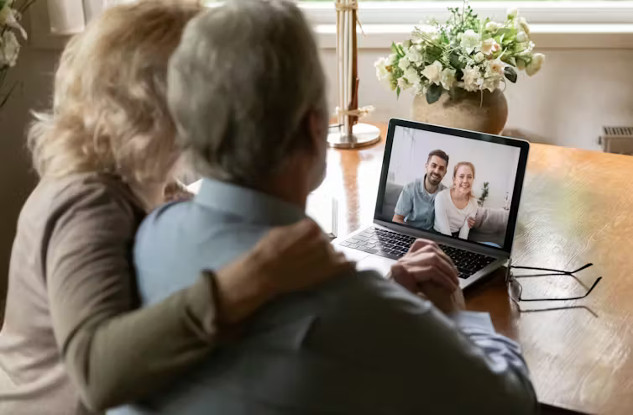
68,17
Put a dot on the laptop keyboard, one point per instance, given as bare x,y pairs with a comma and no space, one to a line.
394,245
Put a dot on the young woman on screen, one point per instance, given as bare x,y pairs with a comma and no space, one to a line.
456,207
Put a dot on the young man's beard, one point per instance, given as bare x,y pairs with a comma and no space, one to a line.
434,179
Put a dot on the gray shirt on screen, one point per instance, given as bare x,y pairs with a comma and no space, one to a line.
417,205
358,344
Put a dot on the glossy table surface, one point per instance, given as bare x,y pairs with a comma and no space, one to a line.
576,208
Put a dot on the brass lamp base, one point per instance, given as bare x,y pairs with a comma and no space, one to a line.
362,135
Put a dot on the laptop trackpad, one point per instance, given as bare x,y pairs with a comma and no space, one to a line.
351,254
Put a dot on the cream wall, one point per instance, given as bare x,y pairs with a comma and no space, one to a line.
577,92
33,73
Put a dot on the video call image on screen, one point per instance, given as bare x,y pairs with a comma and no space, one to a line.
468,197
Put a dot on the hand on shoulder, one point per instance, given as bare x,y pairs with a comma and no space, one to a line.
287,259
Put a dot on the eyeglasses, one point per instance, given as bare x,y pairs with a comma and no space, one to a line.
516,289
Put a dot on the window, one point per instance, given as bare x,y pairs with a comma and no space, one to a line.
555,24
536,12
582,23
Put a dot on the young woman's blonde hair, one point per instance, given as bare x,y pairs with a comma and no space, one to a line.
472,168
109,110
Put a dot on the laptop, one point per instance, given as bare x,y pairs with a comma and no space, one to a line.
486,190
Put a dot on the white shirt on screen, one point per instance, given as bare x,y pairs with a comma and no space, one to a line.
449,219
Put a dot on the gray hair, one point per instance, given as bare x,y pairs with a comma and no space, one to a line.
240,85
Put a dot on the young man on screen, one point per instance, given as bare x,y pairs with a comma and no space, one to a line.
416,204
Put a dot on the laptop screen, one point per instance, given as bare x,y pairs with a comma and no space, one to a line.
452,182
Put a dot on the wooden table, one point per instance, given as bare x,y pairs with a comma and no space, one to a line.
577,207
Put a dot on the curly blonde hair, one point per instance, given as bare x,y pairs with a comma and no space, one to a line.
109,112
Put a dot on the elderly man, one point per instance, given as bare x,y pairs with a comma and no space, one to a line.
247,92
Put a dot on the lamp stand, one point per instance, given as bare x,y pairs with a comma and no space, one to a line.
362,135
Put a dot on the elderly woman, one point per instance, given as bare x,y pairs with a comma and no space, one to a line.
73,341
456,207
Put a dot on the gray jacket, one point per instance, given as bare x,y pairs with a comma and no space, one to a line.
356,345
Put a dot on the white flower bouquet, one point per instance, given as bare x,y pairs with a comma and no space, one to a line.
10,17
463,54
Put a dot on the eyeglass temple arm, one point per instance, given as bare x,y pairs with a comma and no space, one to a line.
558,271
592,287
564,299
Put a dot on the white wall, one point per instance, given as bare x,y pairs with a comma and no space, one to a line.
494,163
576,93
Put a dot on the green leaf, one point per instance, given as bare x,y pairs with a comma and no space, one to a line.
398,92
506,32
455,61
402,51
510,73
433,93
397,49
511,60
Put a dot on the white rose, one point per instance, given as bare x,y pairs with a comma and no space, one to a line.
433,72
524,25
489,46
403,84
5,14
522,37
9,49
492,26
10,17
520,64
404,63
491,83
525,53
472,79
470,40
535,64
381,69
414,55
419,89
496,66
430,31
512,13
412,75
479,57
448,78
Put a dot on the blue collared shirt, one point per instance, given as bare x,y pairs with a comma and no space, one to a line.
417,205
358,344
